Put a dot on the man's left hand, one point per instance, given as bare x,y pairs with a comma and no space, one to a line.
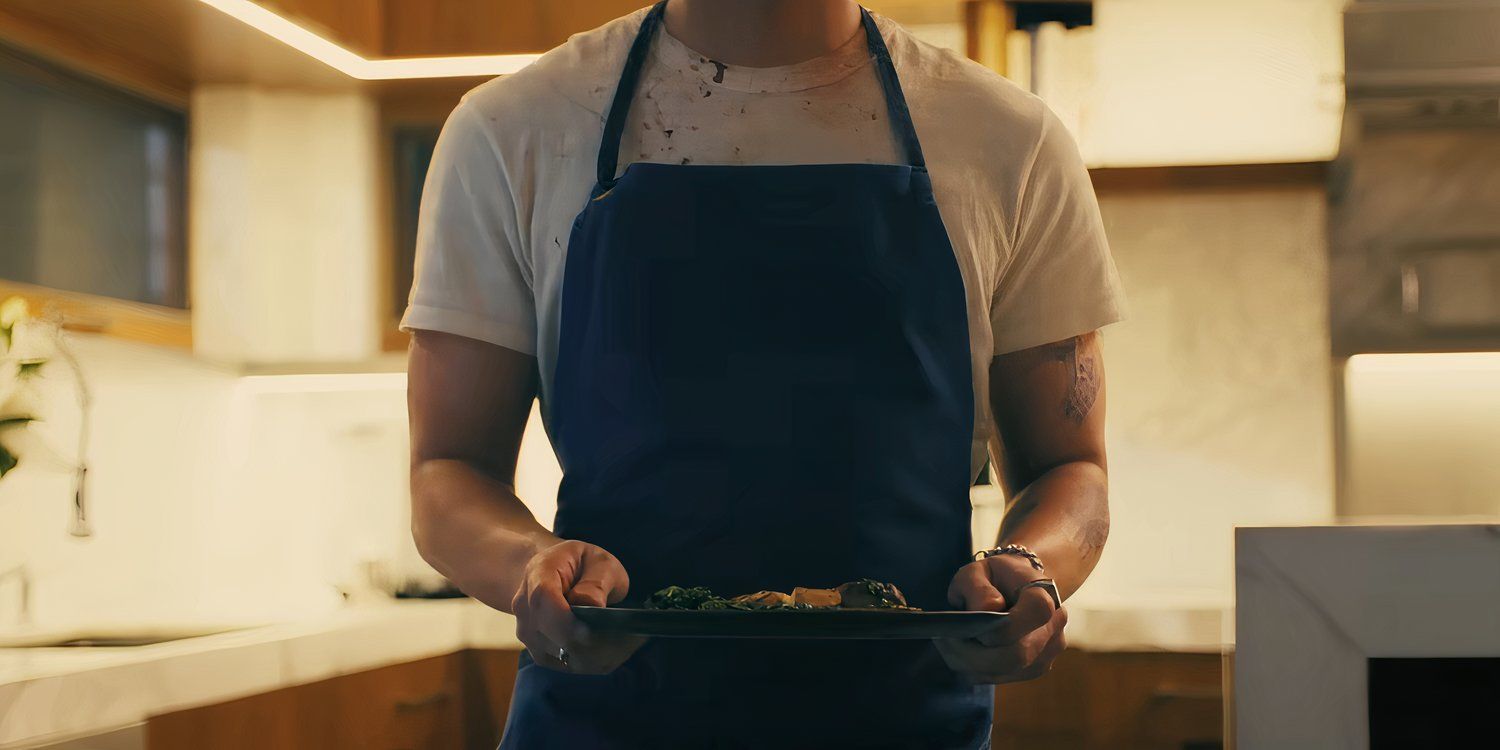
1024,646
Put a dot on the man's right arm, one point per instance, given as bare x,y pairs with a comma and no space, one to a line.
469,402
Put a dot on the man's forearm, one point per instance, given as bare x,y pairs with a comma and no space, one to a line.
473,529
1062,516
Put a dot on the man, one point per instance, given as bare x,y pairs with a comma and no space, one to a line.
777,270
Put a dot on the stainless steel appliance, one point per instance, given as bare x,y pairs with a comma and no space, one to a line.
1414,202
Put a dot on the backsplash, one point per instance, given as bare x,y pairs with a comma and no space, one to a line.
215,496
1219,398
155,451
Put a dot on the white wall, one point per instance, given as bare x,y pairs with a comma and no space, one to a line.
283,234
1219,383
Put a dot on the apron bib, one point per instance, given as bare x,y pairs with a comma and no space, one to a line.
763,381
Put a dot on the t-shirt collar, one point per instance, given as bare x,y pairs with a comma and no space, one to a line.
823,70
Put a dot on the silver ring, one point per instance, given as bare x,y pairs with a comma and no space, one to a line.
562,656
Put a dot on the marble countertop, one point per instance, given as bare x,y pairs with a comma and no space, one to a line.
56,693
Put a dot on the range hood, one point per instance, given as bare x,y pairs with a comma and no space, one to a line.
1414,199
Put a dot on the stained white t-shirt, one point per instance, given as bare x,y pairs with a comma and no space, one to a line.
516,161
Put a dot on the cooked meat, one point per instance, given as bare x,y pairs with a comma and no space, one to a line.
764,600
817,598
870,594
862,594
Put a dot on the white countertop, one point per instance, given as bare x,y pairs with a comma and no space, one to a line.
55,693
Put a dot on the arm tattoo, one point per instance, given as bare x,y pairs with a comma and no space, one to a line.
1092,536
1083,378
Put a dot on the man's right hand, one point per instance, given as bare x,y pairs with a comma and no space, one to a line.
564,574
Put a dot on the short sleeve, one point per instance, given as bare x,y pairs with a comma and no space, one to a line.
1060,280
470,279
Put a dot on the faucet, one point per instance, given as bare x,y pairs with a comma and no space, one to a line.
79,524
23,580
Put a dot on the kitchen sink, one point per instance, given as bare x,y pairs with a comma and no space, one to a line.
124,637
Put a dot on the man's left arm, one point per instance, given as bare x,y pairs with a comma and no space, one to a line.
1048,403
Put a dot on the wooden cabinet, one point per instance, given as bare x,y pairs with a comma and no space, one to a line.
1116,701
449,702
1090,701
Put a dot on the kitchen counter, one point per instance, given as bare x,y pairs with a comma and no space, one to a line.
58,693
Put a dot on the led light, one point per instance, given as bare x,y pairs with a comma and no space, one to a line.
324,383
354,65
1425,362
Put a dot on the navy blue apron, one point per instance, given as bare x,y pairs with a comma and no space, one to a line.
763,381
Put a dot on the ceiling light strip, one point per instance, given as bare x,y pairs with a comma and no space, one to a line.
354,65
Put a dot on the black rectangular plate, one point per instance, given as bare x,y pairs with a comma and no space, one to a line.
885,624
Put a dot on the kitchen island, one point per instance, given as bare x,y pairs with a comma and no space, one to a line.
53,695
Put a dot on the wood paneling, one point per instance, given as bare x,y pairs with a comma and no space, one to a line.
489,681
133,57
919,11
464,27
1115,701
120,318
1236,176
476,27
986,25
356,24
160,48
444,703
1090,701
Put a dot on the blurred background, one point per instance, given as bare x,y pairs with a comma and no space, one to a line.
207,212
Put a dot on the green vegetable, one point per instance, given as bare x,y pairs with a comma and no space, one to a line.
678,597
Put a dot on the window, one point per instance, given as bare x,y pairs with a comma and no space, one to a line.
413,147
91,186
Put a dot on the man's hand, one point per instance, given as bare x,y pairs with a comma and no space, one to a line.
567,573
1029,640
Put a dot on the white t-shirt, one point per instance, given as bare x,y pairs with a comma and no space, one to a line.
515,163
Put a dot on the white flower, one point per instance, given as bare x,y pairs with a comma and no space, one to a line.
10,386
13,311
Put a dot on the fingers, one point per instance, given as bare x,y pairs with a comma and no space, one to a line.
1029,657
601,579
548,606
1033,610
1056,643
571,573
983,664
598,654
972,590
544,652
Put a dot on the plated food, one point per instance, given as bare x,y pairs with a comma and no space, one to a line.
863,609
864,593
858,609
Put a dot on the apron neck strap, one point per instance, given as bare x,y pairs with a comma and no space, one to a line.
619,108
890,85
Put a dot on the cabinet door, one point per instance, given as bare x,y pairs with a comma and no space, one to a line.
280,719
414,706
489,680
1156,701
1115,701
